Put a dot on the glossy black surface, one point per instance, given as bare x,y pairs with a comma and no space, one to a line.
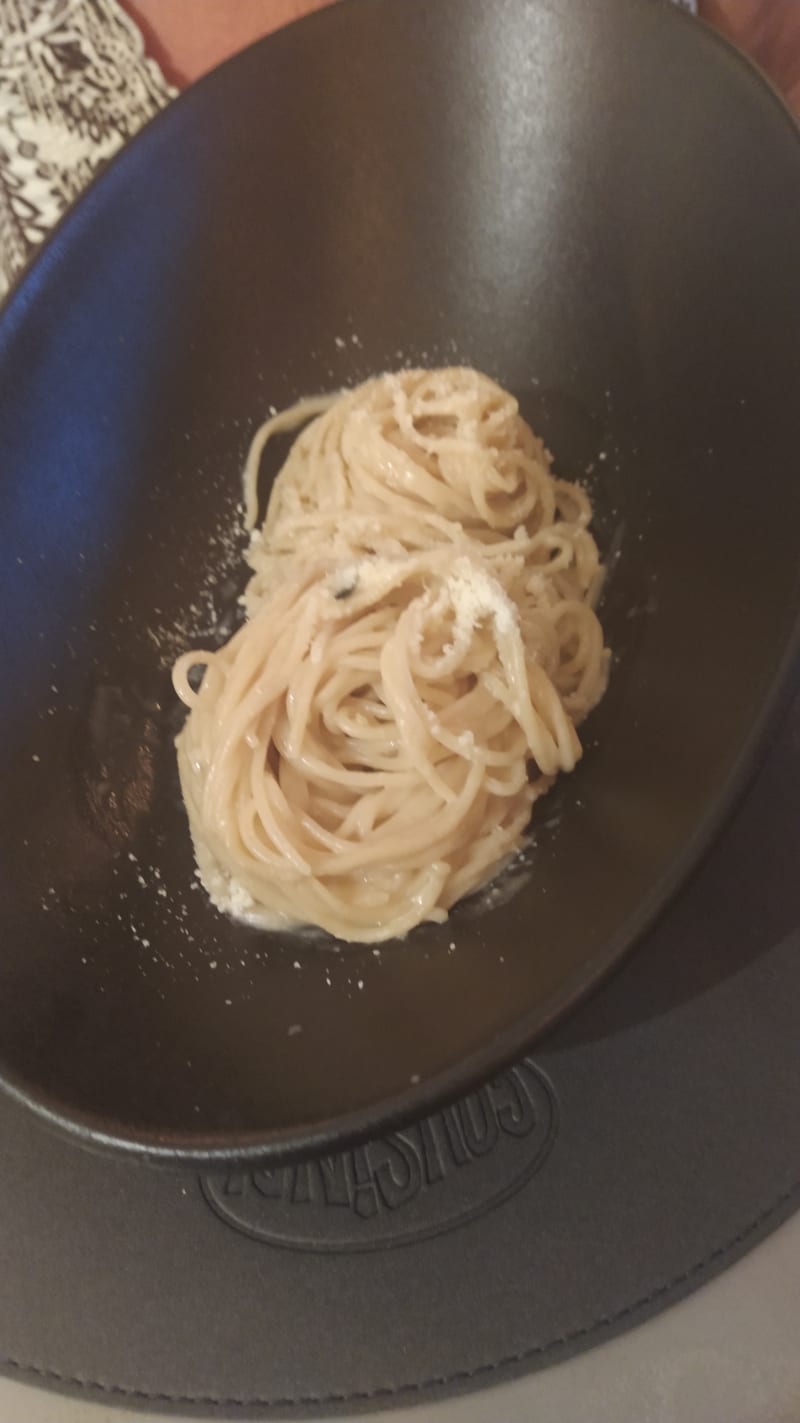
598,205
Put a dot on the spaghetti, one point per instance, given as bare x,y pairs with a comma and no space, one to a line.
419,648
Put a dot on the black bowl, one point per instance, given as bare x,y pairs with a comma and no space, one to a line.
598,205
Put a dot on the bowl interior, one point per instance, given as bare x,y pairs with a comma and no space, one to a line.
599,206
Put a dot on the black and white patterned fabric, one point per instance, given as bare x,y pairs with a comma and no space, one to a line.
75,84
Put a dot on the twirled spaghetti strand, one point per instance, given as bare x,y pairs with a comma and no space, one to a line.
420,646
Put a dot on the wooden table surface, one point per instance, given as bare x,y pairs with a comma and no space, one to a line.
188,37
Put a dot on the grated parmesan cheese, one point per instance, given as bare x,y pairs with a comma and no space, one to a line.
476,595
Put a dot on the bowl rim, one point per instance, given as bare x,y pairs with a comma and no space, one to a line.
284,1145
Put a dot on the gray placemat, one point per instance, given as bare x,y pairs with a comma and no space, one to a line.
651,1142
